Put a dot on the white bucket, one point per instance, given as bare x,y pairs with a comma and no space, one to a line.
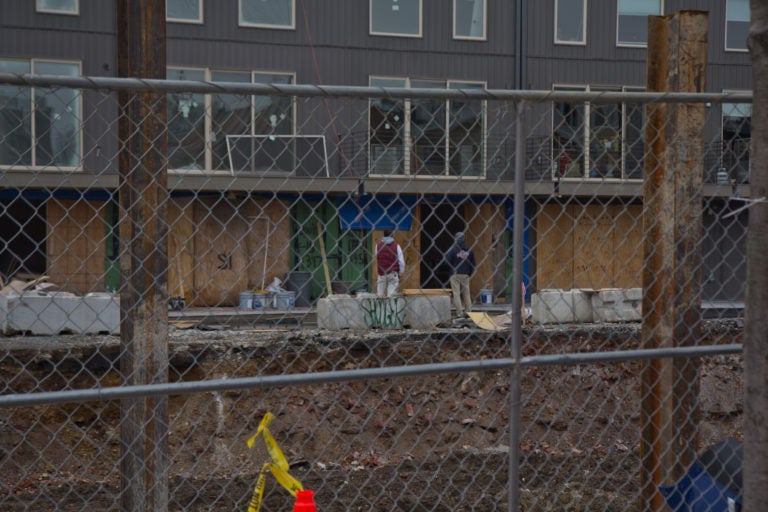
246,300
259,301
486,296
285,300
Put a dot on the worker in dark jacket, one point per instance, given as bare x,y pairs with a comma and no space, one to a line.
461,262
390,264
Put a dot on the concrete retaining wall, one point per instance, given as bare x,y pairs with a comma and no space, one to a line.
586,306
49,313
337,312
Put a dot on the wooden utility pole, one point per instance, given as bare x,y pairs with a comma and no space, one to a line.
756,343
144,260
672,209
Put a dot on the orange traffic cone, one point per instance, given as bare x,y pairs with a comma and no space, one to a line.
305,502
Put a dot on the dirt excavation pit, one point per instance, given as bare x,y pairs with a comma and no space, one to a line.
430,442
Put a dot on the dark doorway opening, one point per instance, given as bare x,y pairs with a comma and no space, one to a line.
439,223
22,239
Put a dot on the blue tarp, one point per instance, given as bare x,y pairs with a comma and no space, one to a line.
712,484
377,212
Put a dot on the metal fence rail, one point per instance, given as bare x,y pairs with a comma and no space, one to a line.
274,199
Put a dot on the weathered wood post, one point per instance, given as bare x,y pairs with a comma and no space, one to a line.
144,262
672,203
756,343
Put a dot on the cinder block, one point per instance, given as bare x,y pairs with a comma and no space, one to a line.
561,306
427,311
42,313
4,314
96,313
618,305
339,312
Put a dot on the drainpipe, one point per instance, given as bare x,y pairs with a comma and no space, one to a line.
519,45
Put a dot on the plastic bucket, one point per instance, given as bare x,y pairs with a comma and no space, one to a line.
285,300
259,301
246,300
486,296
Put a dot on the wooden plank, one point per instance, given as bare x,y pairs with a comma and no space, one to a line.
628,245
181,250
554,246
593,247
75,249
481,221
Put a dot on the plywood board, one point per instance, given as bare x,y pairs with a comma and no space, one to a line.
554,246
240,245
181,250
593,248
483,221
75,246
628,243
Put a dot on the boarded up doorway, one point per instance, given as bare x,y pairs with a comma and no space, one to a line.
439,221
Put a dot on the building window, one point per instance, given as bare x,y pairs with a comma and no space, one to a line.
58,6
41,127
425,136
469,19
570,20
736,24
184,11
395,18
632,23
195,118
596,140
737,136
268,13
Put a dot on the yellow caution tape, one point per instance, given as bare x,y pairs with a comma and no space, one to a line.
279,465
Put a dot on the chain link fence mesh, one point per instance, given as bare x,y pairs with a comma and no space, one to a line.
277,198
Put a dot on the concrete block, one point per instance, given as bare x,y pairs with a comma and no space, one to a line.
618,305
561,306
427,311
42,313
340,312
4,314
96,313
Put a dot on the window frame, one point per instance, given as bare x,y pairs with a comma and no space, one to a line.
208,73
408,141
484,35
241,23
587,139
620,44
196,21
565,42
371,32
725,32
34,165
75,12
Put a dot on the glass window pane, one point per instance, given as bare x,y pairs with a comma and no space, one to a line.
57,119
230,115
188,10
634,137
737,35
68,6
737,136
15,117
568,136
273,114
186,123
466,147
469,18
570,21
387,130
428,131
267,13
401,17
633,20
605,140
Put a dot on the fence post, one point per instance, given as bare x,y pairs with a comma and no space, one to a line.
756,322
144,260
672,209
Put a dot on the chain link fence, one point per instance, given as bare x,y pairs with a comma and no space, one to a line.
272,200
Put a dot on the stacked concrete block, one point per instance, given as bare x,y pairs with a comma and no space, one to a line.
50,313
562,306
427,311
337,312
618,305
